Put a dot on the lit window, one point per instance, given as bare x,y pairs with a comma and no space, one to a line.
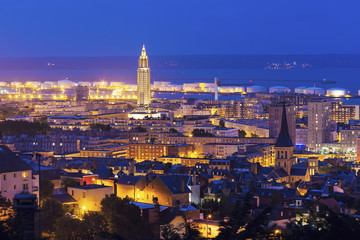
25,176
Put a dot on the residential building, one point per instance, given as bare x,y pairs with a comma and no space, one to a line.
89,197
318,124
15,175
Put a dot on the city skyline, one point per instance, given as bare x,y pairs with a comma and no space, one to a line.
242,121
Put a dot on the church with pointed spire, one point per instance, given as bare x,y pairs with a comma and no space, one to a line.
286,169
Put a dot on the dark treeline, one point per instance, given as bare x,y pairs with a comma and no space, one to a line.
16,128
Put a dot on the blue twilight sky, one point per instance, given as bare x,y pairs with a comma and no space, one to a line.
32,28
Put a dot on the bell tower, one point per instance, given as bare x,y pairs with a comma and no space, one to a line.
284,147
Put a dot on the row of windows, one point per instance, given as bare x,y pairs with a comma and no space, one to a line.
25,187
25,176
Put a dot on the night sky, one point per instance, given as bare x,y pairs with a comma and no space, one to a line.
184,27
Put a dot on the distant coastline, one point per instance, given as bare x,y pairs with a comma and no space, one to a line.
344,69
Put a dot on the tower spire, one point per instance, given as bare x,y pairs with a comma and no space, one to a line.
143,51
284,139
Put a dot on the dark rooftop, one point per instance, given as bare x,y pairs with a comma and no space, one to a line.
9,162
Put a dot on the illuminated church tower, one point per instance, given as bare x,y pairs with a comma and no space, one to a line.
284,147
143,83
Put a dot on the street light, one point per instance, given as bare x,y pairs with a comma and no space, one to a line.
278,233
207,225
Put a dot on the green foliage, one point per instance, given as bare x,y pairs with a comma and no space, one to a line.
92,226
173,130
124,218
151,140
254,135
221,123
241,133
191,232
16,128
327,170
239,216
47,188
324,224
96,223
51,210
69,182
70,229
201,133
170,232
101,127
140,129
6,112
218,210
357,205
5,226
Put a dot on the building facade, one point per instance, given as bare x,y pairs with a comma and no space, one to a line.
143,83
319,128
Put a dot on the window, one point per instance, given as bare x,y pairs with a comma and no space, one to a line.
14,186
14,175
72,192
25,176
4,176
25,186
84,194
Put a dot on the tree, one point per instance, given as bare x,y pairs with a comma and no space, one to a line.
324,224
17,128
173,130
96,224
239,216
47,188
329,169
69,182
201,133
254,135
191,232
217,209
241,133
94,165
170,232
51,210
222,123
101,127
123,217
70,229
93,226
5,226
6,112
140,129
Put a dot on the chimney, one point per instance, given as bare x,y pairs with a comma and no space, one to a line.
182,185
155,201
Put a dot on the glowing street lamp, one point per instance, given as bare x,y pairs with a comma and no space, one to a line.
207,225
